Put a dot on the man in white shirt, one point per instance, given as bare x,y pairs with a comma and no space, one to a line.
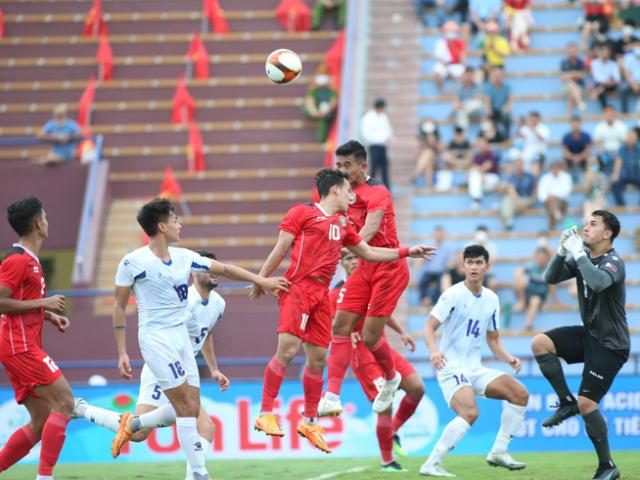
535,135
608,136
554,188
158,275
631,73
470,314
606,75
376,132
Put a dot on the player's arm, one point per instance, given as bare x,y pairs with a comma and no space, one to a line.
234,272
496,347
406,338
438,359
559,269
379,254
11,306
599,279
119,322
371,225
273,261
209,355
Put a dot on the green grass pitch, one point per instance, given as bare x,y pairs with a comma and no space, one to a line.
541,466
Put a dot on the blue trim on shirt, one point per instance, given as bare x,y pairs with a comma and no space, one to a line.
205,302
493,320
140,276
197,266
168,263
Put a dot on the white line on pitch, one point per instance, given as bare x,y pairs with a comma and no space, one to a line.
328,475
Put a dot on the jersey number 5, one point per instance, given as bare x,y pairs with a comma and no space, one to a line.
334,232
473,328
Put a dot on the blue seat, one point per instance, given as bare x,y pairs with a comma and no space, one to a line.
557,17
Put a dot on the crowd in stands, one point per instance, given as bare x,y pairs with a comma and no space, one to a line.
510,156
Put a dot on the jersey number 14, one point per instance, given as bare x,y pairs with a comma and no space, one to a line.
473,328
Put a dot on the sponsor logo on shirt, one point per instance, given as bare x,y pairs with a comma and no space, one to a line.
597,375
320,219
36,270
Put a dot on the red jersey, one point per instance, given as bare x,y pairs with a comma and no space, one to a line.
319,238
21,272
372,196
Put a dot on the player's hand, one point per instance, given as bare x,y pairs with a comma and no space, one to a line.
255,291
275,284
221,379
438,360
55,303
422,251
124,366
514,362
58,321
566,233
408,342
355,338
574,246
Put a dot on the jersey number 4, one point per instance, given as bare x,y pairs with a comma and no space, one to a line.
473,328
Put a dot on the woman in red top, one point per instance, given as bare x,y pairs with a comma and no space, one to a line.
597,14
518,19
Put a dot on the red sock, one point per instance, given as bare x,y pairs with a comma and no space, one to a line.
385,438
381,351
339,359
312,383
406,408
273,377
53,435
17,447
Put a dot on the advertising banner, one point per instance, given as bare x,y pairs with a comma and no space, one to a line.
352,435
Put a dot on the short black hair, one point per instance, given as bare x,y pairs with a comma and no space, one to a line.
327,178
207,254
156,211
475,251
22,213
352,147
610,221
379,103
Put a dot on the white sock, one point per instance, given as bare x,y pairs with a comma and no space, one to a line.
101,416
451,435
160,417
332,396
206,446
192,446
44,477
510,422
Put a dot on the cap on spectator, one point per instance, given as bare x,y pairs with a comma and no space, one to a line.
492,27
450,26
60,110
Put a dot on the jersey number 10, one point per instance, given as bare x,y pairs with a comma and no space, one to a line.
334,232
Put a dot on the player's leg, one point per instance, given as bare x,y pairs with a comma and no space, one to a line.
462,400
26,437
601,365
60,399
102,417
206,430
413,387
497,385
566,343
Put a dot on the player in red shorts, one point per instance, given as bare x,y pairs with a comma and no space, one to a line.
373,290
315,234
37,381
371,378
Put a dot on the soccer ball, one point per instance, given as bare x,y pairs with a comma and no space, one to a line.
283,66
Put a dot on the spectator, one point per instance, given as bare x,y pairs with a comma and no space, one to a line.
483,12
429,149
606,75
468,103
491,133
535,135
428,9
483,175
576,149
596,19
376,132
609,135
455,273
431,272
596,185
626,169
629,11
458,155
531,288
450,53
518,191
518,19
631,79
64,133
554,189
626,42
321,102
498,101
320,9
495,48
573,73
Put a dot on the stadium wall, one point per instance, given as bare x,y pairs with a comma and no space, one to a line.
352,435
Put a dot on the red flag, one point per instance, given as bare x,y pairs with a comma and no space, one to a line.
170,188
198,55
1,23
294,15
94,24
184,106
333,59
330,146
217,19
104,56
86,102
87,147
195,154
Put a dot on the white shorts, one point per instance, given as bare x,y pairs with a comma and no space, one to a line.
169,356
451,380
150,392
454,70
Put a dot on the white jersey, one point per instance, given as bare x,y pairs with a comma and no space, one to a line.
466,318
204,316
161,288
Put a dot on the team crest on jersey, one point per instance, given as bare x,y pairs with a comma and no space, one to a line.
352,198
36,270
343,221
611,266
